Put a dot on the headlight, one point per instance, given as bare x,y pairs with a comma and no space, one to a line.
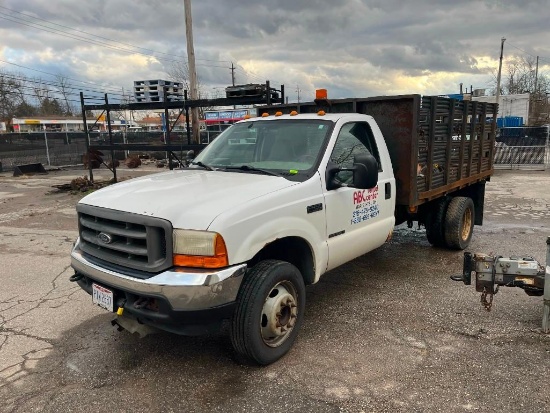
199,249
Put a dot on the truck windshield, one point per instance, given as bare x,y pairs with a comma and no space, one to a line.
290,147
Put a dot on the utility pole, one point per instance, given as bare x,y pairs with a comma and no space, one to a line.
500,69
536,75
298,92
232,74
233,79
192,70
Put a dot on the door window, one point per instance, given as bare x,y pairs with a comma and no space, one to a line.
354,138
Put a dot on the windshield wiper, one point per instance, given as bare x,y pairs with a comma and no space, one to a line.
207,167
253,169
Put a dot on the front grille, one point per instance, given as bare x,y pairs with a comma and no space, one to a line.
134,241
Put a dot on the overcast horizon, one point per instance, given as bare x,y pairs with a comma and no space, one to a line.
352,48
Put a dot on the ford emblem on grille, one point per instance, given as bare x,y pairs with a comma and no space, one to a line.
105,238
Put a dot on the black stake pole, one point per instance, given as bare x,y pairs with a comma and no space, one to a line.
86,137
110,136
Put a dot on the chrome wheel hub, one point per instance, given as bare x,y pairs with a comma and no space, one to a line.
279,314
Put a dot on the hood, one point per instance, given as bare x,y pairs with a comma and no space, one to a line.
189,199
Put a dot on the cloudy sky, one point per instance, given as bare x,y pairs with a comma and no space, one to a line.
353,48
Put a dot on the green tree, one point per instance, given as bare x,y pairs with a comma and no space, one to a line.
51,107
25,109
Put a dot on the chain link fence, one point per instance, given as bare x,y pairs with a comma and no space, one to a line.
522,148
67,148
515,147
51,149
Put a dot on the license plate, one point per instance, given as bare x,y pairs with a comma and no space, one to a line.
102,297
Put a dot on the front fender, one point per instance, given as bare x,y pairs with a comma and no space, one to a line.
281,228
283,213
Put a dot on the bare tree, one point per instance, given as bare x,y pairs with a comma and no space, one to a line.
522,77
126,115
40,90
9,96
179,72
64,89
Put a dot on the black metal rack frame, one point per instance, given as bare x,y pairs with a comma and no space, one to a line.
182,106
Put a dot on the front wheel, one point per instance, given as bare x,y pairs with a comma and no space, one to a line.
269,313
459,222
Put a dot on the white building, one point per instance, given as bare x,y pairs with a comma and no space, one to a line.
509,105
64,124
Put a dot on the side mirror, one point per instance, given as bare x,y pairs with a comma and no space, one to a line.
365,171
191,154
330,176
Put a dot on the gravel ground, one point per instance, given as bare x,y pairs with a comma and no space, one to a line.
387,332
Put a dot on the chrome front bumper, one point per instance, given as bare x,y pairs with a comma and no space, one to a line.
185,289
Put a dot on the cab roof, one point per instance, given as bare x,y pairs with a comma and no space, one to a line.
334,117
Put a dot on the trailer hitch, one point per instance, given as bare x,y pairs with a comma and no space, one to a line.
491,272
522,272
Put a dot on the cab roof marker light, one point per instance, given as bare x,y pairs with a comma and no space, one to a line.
293,113
321,113
265,115
321,94
278,113
247,116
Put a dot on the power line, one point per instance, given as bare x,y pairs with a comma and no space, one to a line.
58,83
254,75
67,86
34,96
52,74
106,38
249,75
80,38
91,41
530,54
38,97
152,53
52,95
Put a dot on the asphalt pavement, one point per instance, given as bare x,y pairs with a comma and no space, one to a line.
387,332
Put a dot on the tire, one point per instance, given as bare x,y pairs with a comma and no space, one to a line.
435,224
269,313
459,223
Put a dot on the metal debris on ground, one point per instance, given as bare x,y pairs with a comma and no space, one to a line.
132,162
93,158
116,163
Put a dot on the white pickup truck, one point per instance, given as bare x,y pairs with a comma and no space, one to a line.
270,206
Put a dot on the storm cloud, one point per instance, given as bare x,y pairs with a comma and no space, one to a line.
350,47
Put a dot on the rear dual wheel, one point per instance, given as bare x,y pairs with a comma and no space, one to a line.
435,224
451,223
459,223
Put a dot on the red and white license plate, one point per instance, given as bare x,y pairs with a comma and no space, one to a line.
103,297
